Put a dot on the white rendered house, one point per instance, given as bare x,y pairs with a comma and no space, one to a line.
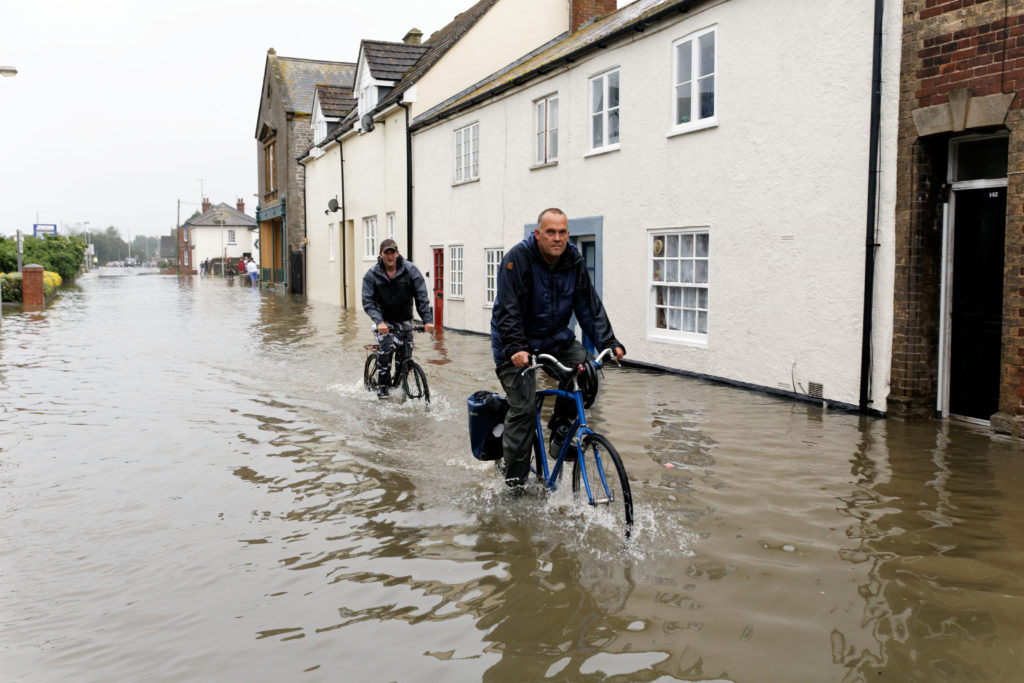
713,159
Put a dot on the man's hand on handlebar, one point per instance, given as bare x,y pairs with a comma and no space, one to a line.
428,327
619,352
520,359
382,327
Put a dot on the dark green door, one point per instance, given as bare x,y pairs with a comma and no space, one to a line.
976,313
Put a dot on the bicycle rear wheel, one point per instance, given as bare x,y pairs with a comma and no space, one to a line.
414,381
606,477
370,373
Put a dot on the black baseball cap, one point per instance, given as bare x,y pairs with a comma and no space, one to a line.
388,244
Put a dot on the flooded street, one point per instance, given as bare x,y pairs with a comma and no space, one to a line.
194,485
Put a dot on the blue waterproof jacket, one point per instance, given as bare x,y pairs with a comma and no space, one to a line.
535,303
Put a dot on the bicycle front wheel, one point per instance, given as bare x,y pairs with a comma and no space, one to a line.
599,477
414,381
370,372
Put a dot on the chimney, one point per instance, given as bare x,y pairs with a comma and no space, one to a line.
240,205
584,12
206,204
414,36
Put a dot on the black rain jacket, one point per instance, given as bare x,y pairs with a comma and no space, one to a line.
535,304
391,300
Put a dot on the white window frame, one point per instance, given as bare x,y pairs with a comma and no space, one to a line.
602,112
231,236
391,224
454,271
492,261
467,153
669,314
694,79
545,117
330,241
370,237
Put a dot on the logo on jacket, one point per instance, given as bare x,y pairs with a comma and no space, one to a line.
509,266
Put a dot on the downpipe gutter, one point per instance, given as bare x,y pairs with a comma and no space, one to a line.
343,228
408,181
870,244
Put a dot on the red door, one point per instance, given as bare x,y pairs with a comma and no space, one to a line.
439,287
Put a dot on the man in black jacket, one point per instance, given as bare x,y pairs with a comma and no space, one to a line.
542,282
389,289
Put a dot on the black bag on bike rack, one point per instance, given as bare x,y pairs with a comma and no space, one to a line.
486,424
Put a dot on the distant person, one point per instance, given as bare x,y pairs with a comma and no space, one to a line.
204,266
241,266
389,289
253,270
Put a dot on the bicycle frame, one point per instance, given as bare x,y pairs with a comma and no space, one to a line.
574,436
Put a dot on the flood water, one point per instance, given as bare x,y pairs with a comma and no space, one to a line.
195,486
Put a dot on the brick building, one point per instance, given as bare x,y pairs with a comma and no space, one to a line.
283,133
958,337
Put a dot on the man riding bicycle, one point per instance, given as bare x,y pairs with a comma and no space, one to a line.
542,282
389,289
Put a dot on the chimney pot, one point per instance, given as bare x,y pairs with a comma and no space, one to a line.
241,205
413,37
206,204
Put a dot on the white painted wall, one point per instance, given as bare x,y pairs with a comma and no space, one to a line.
507,31
323,269
781,183
212,242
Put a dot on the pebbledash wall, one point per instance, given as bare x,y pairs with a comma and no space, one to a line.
961,72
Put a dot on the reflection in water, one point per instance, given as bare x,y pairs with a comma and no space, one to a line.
940,536
196,485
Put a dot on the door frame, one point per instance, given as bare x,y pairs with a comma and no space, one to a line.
437,283
946,271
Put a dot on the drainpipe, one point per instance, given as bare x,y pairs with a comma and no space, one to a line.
343,228
408,180
869,244
305,228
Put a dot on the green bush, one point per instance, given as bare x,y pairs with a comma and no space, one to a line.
10,287
58,253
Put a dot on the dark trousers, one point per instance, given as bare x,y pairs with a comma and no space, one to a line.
520,432
390,345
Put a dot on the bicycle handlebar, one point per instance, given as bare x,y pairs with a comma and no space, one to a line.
541,359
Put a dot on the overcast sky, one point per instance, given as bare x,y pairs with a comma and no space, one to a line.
121,108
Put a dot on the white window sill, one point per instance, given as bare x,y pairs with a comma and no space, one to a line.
546,164
695,341
603,150
466,182
703,124
452,297
488,306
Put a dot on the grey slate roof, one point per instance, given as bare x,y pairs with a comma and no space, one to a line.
335,100
390,61
436,46
300,78
562,50
231,216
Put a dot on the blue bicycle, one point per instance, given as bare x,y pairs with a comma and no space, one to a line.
598,474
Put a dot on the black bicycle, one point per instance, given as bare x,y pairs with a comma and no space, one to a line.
407,373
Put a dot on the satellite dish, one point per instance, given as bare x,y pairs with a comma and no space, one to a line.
366,122
332,205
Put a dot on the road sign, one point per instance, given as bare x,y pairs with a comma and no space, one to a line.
44,229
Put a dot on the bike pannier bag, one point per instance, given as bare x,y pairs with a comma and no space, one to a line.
486,424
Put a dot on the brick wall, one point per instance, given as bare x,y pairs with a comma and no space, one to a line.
949,45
